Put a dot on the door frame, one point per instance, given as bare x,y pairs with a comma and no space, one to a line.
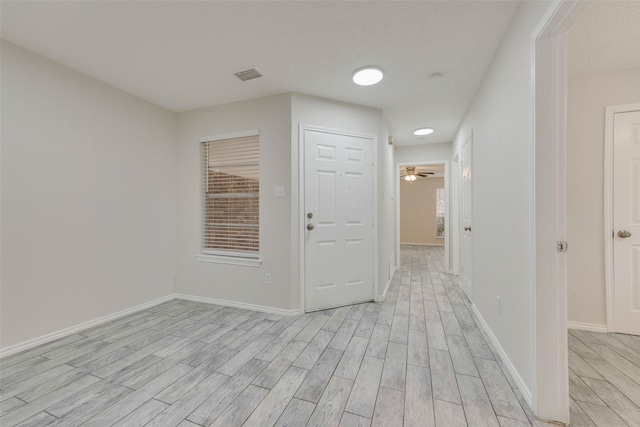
301,213
550,391
608,206
469,139
447,216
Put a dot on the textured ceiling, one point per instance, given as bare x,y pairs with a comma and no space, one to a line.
182,55
605,37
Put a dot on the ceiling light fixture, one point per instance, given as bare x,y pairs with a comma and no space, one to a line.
411,174
367,76
423,131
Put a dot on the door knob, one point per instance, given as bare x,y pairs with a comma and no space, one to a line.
467,229
624,234
310,227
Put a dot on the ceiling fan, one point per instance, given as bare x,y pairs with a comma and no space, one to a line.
409,174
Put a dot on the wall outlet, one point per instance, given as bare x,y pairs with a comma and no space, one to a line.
498,304
278,191
267,278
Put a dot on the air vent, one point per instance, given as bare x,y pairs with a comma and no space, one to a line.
249,74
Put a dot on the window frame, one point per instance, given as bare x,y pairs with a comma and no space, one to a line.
222,256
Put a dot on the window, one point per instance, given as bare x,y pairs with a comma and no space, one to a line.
231,196
440,212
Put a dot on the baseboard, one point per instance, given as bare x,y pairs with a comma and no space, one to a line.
236,304
592,327
422,244
526,393
383,295
26,345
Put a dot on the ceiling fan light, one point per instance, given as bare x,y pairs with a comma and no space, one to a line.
410,178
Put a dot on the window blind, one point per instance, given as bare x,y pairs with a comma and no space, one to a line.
231,190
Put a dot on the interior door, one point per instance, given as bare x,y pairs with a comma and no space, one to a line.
466,195
338,203
626,222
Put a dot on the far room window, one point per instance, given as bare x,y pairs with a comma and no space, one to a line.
440,212
231,195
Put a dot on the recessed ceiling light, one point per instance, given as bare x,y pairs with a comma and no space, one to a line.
367,76
423,131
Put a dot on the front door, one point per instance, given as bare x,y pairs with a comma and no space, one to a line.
466,195
338,221
626,222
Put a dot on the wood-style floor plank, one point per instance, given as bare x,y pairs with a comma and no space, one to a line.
404,361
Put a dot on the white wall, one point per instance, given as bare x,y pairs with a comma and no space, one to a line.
500,118
336,115
424,152
272,117
88,198
588,97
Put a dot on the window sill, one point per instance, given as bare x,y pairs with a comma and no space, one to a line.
439,237
248,262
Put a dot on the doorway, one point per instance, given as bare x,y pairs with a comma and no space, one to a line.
424,203
466,216
622,215
338,227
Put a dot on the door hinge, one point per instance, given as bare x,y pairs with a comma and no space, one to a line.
562,246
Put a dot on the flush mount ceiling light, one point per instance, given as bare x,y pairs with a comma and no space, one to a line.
423,131
367,76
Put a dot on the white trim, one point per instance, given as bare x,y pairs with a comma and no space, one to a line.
424,244
608,208
447,217
522,386
550,388
230,135
26,345
381,297
250,262
301,213
592,327
236,304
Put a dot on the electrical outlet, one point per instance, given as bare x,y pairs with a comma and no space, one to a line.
498,304
267,278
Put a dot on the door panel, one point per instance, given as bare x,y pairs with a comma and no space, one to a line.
626,217
339,196
466,195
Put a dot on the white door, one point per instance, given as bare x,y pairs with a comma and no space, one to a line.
466,195
626,222
338,203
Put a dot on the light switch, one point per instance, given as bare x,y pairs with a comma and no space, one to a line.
278,191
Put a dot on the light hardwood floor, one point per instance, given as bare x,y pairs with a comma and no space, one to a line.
418,359
604,379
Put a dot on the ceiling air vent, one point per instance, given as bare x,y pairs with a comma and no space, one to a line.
249,74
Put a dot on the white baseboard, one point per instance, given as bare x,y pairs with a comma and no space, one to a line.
383,295
26,345
422,244
592,327
236,304
526,393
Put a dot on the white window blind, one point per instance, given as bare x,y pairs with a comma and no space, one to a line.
231,190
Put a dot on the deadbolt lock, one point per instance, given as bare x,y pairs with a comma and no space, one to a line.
309,215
